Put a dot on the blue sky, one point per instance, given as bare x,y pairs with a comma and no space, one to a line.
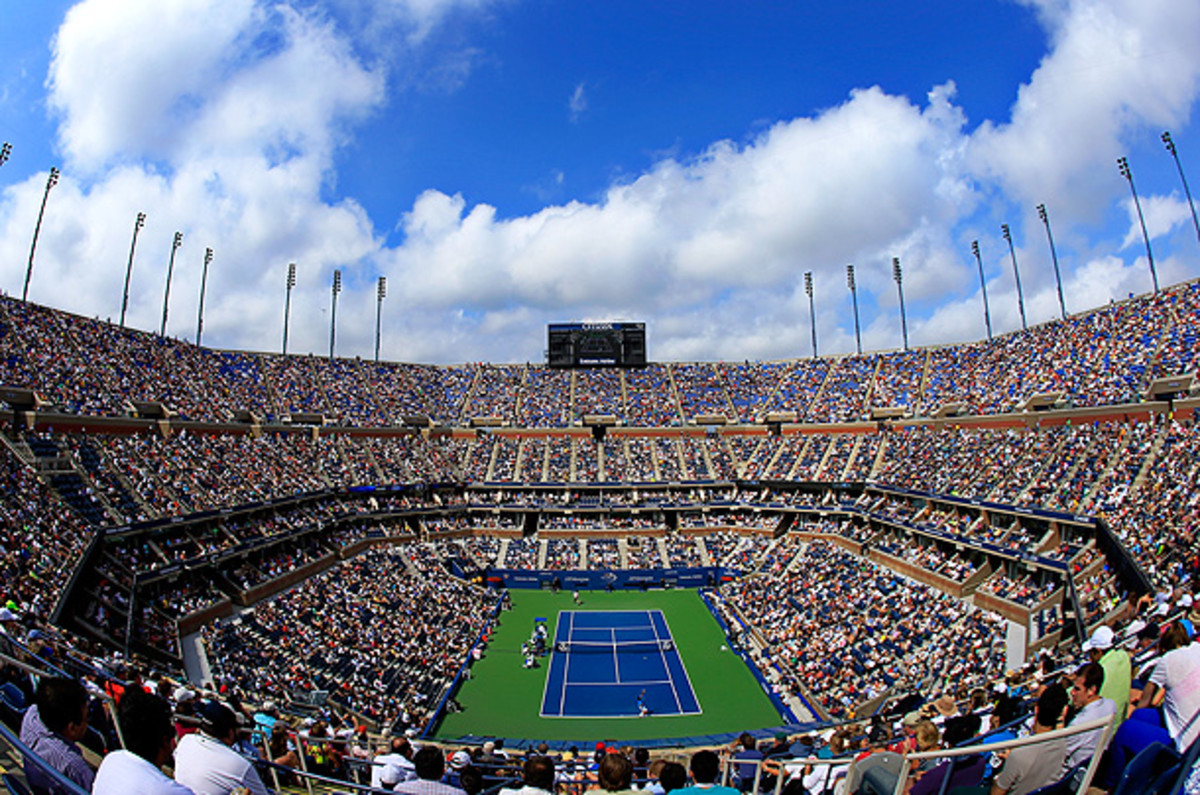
508,163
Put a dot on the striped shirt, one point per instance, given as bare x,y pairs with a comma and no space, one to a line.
56,751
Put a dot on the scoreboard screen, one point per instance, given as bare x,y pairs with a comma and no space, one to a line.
596,345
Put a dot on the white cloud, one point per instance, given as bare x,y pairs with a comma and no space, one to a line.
1115,68
221,119
577,104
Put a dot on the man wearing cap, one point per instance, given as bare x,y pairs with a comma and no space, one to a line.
205,760
908,727
393,764
459,761
264,719
1118,673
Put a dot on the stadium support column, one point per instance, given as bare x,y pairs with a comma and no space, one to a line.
287,303
175,244
896,274
854,299
138,223
208,255
337,288
51,181
380,294
987,311
1004,230
1062,305
1123,166
1166,139
812,314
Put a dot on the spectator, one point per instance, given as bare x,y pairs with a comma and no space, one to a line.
538,777
1175,673
962,771
393,764
1032,766
430,767
673,776
149,734
615,773
1117,668
748,760
52,727
706,767
1090,706
206,761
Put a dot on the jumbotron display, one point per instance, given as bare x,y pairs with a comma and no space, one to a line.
596,345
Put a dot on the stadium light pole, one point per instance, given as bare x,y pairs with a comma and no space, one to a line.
208,255
1170,144
337,288
138,223
5,151
812,313
896,274
287,303
175,244
1123,166
1062,305
987,311
1004,230
381,293
854,298
51,181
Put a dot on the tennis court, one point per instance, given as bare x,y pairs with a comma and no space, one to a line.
614,664
504,699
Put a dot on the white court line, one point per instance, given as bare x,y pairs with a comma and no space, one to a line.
562,698
662,654
612,634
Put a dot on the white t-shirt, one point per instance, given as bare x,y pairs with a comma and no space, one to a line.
126,773
210,767
1178,672
391,769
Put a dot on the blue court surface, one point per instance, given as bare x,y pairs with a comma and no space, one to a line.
602,662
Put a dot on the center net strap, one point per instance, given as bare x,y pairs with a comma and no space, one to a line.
630,647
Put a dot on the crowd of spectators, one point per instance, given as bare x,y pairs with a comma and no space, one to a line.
849,631
384,643
1104,356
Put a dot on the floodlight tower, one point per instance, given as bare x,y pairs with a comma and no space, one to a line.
138,223
1166,139
337,288
208,256
1004,230
1062,305
987,312
287,302
5,151
854,298
175,244
812,314
380,294
51,181
1123,167
896,274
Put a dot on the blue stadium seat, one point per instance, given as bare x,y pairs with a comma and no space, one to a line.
1150,763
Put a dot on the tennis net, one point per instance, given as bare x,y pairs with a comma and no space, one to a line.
628,647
